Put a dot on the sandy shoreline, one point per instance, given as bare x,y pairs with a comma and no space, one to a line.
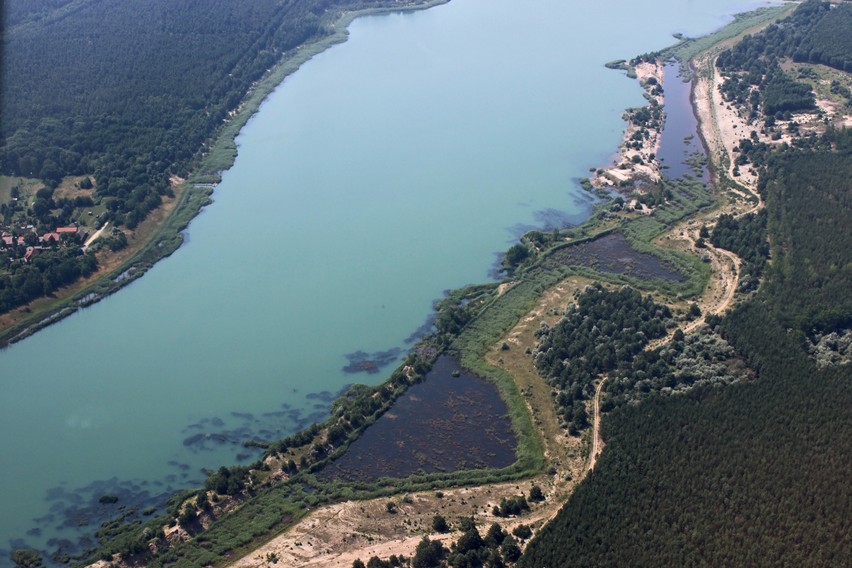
623,168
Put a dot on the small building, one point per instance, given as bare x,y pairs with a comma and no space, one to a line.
10,240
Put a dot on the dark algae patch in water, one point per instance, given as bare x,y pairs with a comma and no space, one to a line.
444,424
612,253
363,362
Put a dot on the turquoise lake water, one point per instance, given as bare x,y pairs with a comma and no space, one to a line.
387,170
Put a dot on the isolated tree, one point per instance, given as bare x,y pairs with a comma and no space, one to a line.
523,532
439,524
536,494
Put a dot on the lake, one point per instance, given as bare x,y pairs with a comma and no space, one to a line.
387,170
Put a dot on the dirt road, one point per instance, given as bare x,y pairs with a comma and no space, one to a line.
597,442
95,236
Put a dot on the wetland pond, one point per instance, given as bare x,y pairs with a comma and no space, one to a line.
679,142
613,254
445,423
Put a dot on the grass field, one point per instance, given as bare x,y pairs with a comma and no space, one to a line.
27,188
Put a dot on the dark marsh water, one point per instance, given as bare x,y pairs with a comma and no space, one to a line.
441,425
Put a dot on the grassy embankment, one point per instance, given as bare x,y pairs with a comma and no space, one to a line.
689,49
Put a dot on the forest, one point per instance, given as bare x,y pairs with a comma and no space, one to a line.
756,473
816,32
601,330
829,41
131,93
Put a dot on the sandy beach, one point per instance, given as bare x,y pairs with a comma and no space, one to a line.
623,168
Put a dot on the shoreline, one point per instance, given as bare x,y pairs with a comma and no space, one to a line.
194,193
623,170
338,533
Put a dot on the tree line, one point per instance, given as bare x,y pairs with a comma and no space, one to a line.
132,93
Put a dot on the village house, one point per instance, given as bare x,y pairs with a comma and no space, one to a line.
18,237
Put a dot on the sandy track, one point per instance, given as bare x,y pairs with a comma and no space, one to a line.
95,236
597,441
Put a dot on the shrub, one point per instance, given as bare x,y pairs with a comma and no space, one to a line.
523,532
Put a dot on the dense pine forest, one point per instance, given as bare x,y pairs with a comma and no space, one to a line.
753,474
810,212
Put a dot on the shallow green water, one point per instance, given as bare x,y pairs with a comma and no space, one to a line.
388,169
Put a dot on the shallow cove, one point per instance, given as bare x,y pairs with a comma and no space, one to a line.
388,169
